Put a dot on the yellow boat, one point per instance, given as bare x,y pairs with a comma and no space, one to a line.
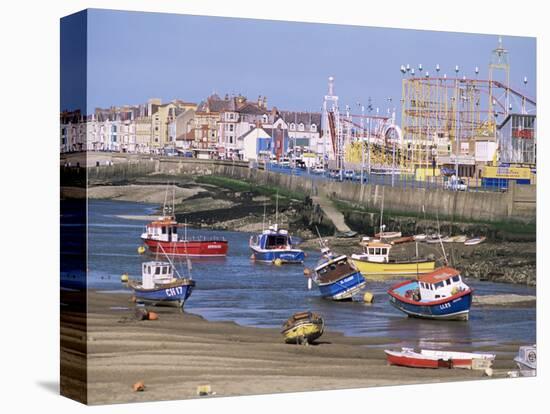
376,263
303,328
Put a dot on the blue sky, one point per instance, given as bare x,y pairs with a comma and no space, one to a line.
133,56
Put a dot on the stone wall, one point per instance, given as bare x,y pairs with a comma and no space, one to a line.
516,204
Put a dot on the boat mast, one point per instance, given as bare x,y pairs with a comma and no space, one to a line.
381,212
440,241
277,208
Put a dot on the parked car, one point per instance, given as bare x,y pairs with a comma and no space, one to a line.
318,169
456,185
349,175
334,174
284,162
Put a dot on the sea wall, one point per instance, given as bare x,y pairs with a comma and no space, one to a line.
517,204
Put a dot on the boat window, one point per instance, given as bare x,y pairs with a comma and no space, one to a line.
378,250
371,250
456,278
163,230
149,269
448,282
437,296
439,285
384,251
164,270
174,229
157,270
275,241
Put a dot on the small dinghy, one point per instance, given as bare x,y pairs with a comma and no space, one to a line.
420,237
407,357
303,328
474,241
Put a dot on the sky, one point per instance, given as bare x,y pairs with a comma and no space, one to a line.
134,56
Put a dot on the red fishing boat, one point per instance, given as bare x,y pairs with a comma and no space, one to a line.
163,233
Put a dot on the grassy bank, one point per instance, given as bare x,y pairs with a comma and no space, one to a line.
509,227
246,186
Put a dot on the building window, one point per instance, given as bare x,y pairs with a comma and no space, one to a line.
301,127
313,127
292,126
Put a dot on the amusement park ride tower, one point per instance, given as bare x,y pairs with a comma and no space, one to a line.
445,118
332,130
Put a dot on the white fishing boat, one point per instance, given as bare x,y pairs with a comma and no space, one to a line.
474,241
526,359
420,237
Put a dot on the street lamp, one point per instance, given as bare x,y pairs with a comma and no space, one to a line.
457,139
363,136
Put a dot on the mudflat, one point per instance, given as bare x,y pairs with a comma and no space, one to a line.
179,351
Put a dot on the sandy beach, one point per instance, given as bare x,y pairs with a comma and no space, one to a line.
180,351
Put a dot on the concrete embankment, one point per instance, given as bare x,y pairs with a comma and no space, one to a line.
518,204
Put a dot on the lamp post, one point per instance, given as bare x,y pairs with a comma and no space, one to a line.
457,140
362,141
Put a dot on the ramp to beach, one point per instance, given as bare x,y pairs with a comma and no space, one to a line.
332,213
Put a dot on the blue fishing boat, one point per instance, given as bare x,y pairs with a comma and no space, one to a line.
160,286
337,277
441,294
275,244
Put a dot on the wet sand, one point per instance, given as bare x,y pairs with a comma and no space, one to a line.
180,351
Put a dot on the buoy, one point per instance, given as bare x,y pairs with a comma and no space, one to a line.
152,316
307,272
141,249
124,278
488,372
138,386
309,283
252,257
277,262
368,297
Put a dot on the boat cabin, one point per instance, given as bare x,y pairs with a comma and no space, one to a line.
440,284
164,229
334,269
156,272
377,252
273,238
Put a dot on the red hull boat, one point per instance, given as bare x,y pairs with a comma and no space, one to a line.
407,357
189,247
161,236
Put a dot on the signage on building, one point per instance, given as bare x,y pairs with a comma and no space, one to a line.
522,133
514,173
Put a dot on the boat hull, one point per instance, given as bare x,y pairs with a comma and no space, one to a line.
415,360
393,269
172,295
344,288
309,332
286,256
191,248
456,307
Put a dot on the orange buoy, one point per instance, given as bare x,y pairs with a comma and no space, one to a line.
152,316
138,386
307,272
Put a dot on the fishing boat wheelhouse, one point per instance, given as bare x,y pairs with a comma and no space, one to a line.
337,277
441,294
375,261
164,233
273,244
